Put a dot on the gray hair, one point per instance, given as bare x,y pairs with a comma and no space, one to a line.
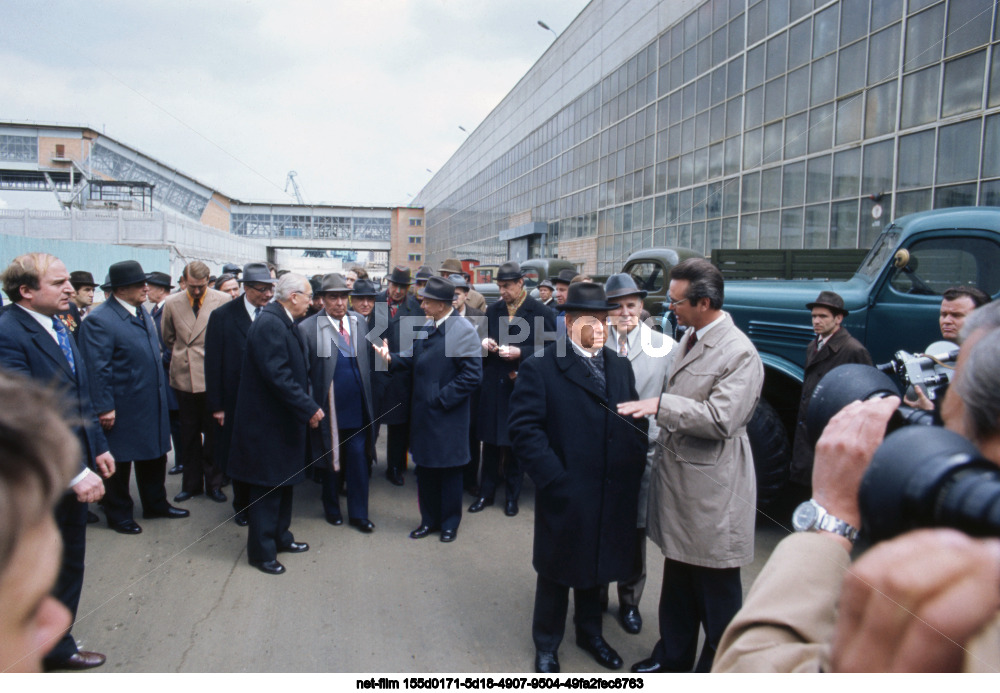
288,285
986,317
979,386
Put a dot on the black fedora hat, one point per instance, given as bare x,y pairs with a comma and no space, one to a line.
829,299
161,279
459,281
509,271
438,289
565,276
622,284
333,283
363,288
587,297
81,278
126,273
106,286
400,275
424,273
231,268
256,273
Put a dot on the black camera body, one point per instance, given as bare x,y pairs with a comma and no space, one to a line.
931,371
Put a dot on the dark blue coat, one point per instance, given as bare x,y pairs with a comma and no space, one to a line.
126,375
26,348
273,405
586,462
392,393
225,346
157,313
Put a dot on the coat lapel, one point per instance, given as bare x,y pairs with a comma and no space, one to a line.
45,343
576,372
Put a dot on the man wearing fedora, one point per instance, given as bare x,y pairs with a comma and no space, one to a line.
185,321
561,282
338,356
651,354
517,326
587,463
225,345
159,289
128,388
84,284
833,346
452,267
545,289
392,392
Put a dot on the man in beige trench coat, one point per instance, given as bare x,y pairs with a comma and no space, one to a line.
702,493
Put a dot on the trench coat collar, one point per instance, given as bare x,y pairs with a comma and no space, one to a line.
709,341
575,370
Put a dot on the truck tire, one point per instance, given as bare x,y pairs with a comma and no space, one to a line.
772,453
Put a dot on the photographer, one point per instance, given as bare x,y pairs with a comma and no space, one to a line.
789,619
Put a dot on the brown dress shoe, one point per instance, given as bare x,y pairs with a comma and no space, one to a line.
77,662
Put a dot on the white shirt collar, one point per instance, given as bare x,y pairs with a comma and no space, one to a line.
251,308
701,332
580,350
44,320
437,323
128,306
336,323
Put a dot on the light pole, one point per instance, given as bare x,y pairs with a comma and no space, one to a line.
547,28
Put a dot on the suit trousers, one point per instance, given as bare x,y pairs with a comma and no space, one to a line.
175,436
439,494
149,479
513,475
198,443
693,597
354,468
71,518
270,516
551,605
397,442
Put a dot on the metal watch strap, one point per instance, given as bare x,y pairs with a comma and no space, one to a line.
834,525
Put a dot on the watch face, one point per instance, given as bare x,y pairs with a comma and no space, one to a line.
804,516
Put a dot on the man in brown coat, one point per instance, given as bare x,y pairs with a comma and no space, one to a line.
185,320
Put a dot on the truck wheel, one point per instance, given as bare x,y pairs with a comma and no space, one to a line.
772,452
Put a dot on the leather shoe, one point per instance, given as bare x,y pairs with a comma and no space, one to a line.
126,527
217,495
364,526
479,505
335,520
395,477
647,666
448,535
599,648
241,519
185,496
78,661
294,547
631,620
269,567
511,509
171,513
546,662
92,518
176,469
421,532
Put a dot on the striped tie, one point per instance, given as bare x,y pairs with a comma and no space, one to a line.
63,336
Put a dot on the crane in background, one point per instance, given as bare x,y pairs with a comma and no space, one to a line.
290,180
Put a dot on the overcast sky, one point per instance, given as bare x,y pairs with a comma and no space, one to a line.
359,97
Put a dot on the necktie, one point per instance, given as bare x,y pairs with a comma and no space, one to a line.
343,333
623,344
819,343
139,314
393,307
691,342
256,312
63,336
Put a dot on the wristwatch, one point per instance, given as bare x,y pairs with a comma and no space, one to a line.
813,517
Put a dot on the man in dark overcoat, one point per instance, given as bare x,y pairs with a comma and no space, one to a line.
159,289
587,464
128,388
273,412
444,368
470,476
398,309
225,345
33,344
517,326
338,355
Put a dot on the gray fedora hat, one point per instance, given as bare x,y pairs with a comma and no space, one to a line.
126,273
459,281
438,289
587,297
622,284
364,288
256,273
547,283
400,275
509,271
333,283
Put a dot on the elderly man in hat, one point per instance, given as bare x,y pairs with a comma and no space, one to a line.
392,392
338,353
445,368
128,388
545,289
587,463
517,326
651,354
833,346
452,267
159,289
225,345
363,295
84,284
561,282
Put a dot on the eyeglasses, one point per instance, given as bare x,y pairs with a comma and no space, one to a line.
671,302
264,289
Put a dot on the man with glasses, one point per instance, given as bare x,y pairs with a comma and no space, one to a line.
225,344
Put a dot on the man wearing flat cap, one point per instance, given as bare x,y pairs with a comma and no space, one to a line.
453,267
833,346
587,462
515,325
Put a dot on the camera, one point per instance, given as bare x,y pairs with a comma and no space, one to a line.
931,370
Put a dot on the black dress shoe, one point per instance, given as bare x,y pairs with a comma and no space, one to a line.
395,477
79,661
176,469
647,666
269,567
186,496
479,505
217,495
126,527
294,547
335,520
421,532
241,519
511,509
171,513
92,518
631,620
601,651
448,535
546,662
364,526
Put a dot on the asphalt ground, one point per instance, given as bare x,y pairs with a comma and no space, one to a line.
180,597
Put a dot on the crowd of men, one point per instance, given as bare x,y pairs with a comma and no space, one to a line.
625,434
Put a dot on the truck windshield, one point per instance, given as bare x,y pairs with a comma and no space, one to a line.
879,254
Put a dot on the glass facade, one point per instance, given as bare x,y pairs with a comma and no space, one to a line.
750,124
19,148
293,221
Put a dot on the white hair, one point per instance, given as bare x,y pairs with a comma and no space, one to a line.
288,285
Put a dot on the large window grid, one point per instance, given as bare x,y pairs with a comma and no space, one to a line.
19,148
